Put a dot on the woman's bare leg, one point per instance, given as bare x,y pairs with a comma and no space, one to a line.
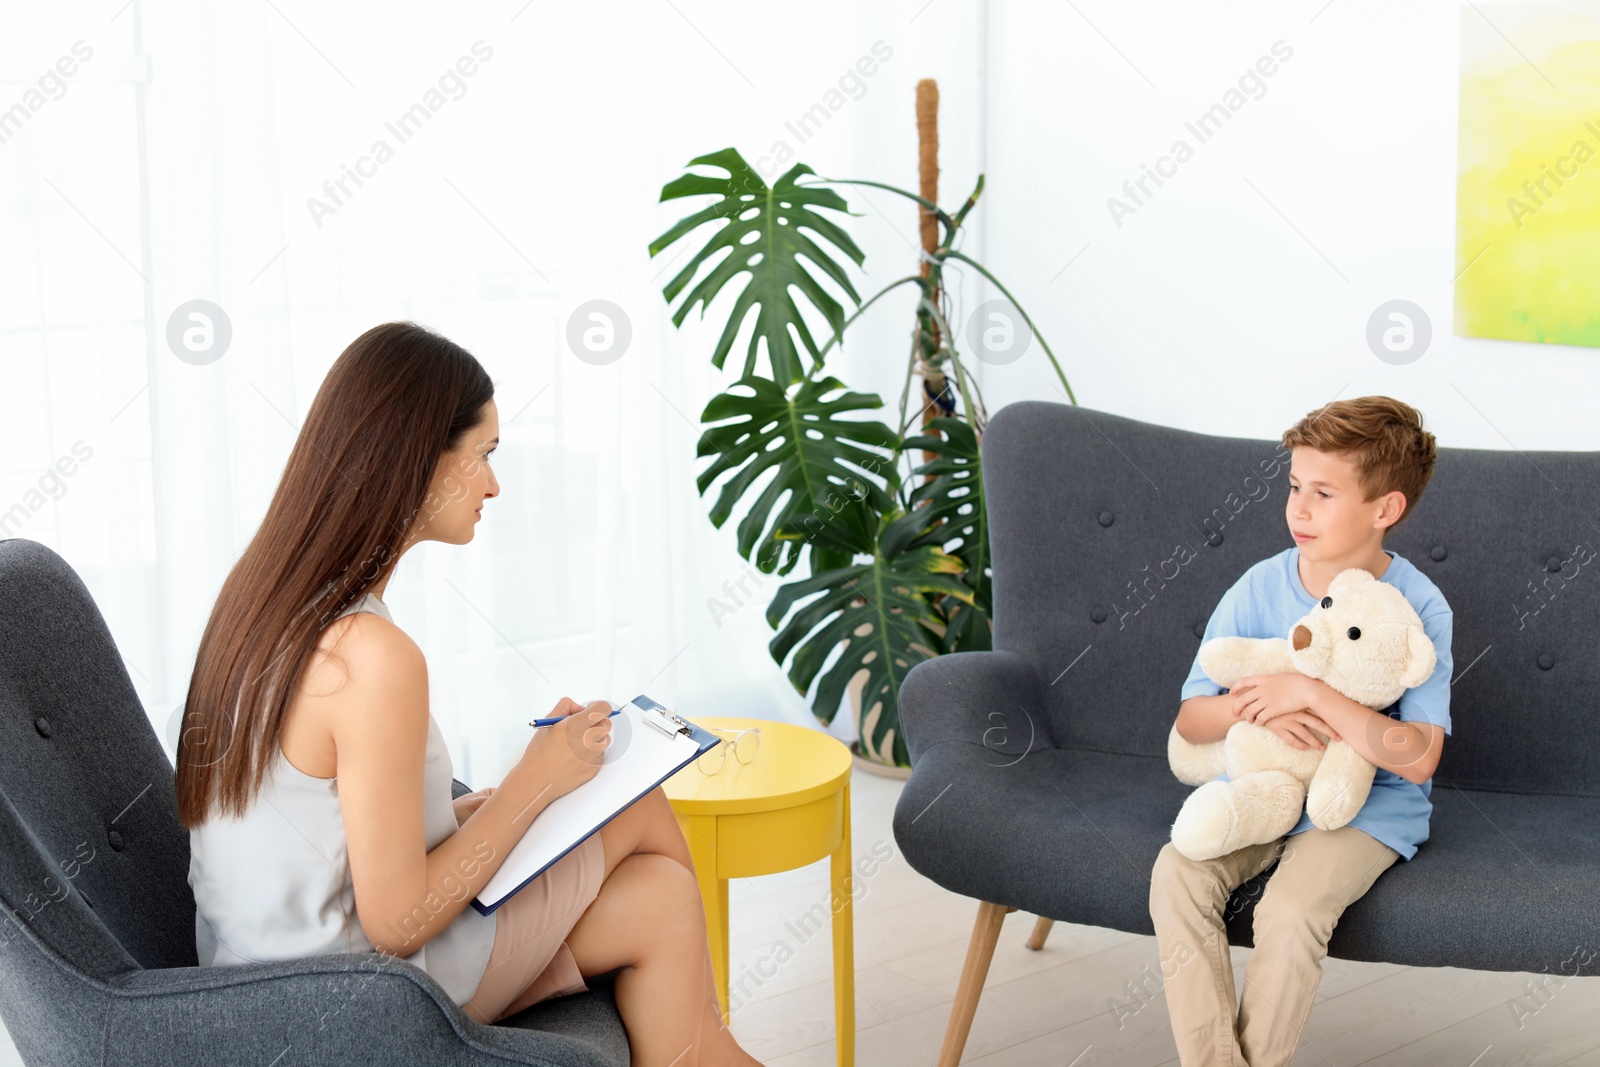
638,923
650,826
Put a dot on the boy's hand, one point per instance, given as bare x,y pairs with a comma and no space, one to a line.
1295,728
1259,698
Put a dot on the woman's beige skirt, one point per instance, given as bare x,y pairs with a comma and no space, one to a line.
530,960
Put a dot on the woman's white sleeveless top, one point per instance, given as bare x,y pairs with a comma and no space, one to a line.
275,884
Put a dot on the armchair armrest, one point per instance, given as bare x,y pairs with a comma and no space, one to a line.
990,699
357,1008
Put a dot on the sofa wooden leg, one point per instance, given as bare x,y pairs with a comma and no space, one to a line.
980,950
1041,930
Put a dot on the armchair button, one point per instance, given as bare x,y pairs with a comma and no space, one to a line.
1213,538
1098,613
1546,661
42,724
1106,518
1437,553
114,839
1200,629
1553,564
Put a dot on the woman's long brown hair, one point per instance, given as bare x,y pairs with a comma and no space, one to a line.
356,483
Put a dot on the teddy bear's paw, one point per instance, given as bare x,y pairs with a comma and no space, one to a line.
1221,817
1205,823
1331,808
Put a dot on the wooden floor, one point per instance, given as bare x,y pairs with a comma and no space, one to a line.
1055,1008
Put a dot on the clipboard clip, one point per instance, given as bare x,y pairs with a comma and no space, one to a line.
663,719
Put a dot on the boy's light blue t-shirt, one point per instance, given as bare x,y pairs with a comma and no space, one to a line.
1268,600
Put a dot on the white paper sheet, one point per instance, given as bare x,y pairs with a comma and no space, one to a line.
639,758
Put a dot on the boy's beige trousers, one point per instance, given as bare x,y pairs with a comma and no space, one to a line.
1320,872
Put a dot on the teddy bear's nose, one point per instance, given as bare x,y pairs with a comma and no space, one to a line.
1300,638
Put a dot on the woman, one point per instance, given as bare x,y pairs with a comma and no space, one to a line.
319,807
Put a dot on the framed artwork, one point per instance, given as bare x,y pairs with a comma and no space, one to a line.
1528,180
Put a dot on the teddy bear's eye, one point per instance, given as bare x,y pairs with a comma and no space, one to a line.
1327,601
1354,632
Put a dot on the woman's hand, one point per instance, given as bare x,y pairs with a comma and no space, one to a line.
565,706
563,756
467,803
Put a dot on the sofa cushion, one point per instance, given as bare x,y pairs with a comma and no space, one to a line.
1505,881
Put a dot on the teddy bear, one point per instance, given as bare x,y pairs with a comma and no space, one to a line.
1364,640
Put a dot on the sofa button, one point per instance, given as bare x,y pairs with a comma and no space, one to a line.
1553,564
42,724
1546,661
1106,518
114,839
1213,538
1437,553
1200,629
1098,613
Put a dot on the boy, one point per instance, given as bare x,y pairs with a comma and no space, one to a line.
1359,468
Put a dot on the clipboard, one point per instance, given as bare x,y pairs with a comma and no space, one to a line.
658,745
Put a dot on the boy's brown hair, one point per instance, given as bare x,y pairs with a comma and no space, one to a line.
1382,437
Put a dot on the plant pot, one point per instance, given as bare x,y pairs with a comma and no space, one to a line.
872,766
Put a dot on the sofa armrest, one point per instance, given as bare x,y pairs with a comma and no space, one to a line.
990,699
351,1008
458,788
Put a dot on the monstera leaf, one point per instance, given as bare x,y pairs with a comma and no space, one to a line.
834,479
877,617
899,573
763,239
950,509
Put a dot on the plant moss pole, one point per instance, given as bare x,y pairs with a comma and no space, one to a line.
936,399
929,340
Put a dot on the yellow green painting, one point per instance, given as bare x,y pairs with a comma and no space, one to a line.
1528,188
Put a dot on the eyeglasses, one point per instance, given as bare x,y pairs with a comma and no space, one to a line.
744,744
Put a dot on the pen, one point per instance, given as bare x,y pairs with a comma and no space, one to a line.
558,718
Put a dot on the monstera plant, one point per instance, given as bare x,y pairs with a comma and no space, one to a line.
898,560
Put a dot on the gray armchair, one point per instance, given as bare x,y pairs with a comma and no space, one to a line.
97,955
1039,771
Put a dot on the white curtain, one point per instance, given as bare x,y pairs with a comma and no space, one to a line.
196,151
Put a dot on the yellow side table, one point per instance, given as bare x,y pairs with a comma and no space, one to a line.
788,807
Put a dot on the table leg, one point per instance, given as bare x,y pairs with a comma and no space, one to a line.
701,833
844,946
719,937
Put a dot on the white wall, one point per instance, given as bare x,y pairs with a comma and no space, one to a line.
179,162
1207,309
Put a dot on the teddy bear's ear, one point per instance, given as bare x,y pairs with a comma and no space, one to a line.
1349,576
1420,656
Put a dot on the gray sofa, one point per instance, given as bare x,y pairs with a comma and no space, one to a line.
97,955
1040,780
